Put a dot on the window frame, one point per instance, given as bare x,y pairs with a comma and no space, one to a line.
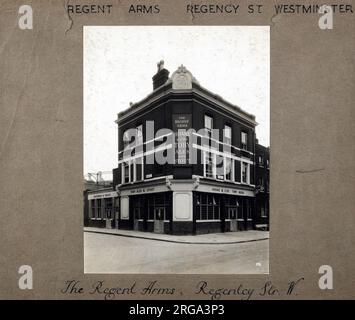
247,166
244,144
227,140
263,213
140,139
208,207
204,123
124,141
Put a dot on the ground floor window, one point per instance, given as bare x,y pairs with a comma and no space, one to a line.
93,208
158,205
98,209
104,208
154,206
117,203
138,208
232,208
159,213
207,206
108,208
264,210
249,211
240,208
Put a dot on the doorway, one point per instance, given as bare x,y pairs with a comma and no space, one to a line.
159,217
232,213
136,215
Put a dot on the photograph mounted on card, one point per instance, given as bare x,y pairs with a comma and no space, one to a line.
187,165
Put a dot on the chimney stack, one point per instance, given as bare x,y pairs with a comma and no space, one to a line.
161,77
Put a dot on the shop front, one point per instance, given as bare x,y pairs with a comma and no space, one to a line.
186,207
151,212
222,213
146,208
103,208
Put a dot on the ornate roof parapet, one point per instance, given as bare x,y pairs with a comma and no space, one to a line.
182,79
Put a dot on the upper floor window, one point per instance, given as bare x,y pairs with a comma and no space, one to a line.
208,122
229,168
260,160
261,183
245,172
267,163
208,165
244,140
139,134
227,134
126,172
126,139
132,170
263,211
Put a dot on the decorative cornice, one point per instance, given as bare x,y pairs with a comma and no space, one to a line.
182,81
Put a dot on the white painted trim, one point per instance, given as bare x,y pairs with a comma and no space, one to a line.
102,195
234,182
132,186
211,220
183,209
225,106
157,178
153,98
134,170
142,106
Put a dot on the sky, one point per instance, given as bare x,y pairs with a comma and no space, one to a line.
119,62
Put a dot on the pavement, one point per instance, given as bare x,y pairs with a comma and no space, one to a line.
210,238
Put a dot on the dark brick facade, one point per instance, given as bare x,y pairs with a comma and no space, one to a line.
218,204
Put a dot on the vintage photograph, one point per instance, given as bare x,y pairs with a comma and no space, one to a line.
176,149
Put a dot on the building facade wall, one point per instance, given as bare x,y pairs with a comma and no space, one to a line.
162,112
262,177
186,198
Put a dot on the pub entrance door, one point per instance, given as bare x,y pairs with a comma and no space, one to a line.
233,218
136,216
159,215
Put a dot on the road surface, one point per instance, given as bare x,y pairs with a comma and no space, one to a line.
117,254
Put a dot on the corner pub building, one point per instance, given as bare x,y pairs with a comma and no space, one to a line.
183,196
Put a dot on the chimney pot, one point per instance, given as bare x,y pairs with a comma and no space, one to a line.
161,77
